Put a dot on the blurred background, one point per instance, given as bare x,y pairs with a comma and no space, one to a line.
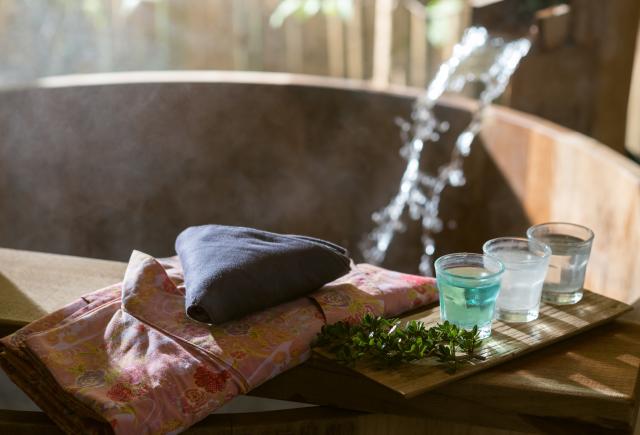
390,41
70,158
581,73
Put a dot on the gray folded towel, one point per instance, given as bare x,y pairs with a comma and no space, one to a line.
230,272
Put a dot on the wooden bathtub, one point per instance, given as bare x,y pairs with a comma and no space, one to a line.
100,165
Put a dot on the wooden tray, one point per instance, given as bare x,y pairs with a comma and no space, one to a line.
507,341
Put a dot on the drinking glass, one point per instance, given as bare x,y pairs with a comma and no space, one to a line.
468,286
570,248
525,262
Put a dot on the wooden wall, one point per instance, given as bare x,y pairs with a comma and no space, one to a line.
578,73
39,38
633,113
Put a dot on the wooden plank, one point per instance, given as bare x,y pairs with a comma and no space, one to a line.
161,34
297,421
205,25
335,45
273,41
599,369
592,379
355,68
368,36
314,48
33,284
508,341
632,140
400,46
255,23
240,27
418,49
294,45
383,36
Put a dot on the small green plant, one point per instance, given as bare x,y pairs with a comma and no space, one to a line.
387,343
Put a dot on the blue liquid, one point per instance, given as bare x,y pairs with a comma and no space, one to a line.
468,302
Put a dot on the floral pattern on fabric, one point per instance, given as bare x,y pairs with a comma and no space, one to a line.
130,356
129,373
373,290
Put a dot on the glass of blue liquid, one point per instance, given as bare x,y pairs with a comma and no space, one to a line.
469,285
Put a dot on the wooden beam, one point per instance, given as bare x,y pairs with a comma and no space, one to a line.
383,34
579,71
335,45
294,45
418,53
632,139
355,68
240,28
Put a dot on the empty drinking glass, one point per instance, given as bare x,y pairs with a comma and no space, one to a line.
525,262
468,286
570,247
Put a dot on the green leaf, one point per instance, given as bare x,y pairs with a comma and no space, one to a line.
387,343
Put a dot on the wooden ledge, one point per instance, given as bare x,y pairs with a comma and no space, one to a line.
33,284
589,382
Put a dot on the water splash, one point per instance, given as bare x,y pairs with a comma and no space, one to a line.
477,58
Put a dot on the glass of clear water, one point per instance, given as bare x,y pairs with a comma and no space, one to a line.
468,286
525,262
570,248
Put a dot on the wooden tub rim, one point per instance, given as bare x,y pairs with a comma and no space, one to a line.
531,122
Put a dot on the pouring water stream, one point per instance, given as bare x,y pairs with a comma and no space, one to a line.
477,58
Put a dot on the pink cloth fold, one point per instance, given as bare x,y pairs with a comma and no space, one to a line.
129,357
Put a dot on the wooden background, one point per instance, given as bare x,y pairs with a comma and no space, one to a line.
41,38
578,74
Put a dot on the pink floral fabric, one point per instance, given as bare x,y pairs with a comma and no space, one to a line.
127,355
369,289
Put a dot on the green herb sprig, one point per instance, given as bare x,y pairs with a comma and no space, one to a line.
386,342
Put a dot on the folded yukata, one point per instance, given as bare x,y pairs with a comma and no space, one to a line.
127,360
231,272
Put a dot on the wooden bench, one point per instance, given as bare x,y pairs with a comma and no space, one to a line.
588,384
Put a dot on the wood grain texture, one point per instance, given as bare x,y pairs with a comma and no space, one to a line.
582,81
33,284
507,341
292,422
592,379
354,41
586,384
632,138
560,175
